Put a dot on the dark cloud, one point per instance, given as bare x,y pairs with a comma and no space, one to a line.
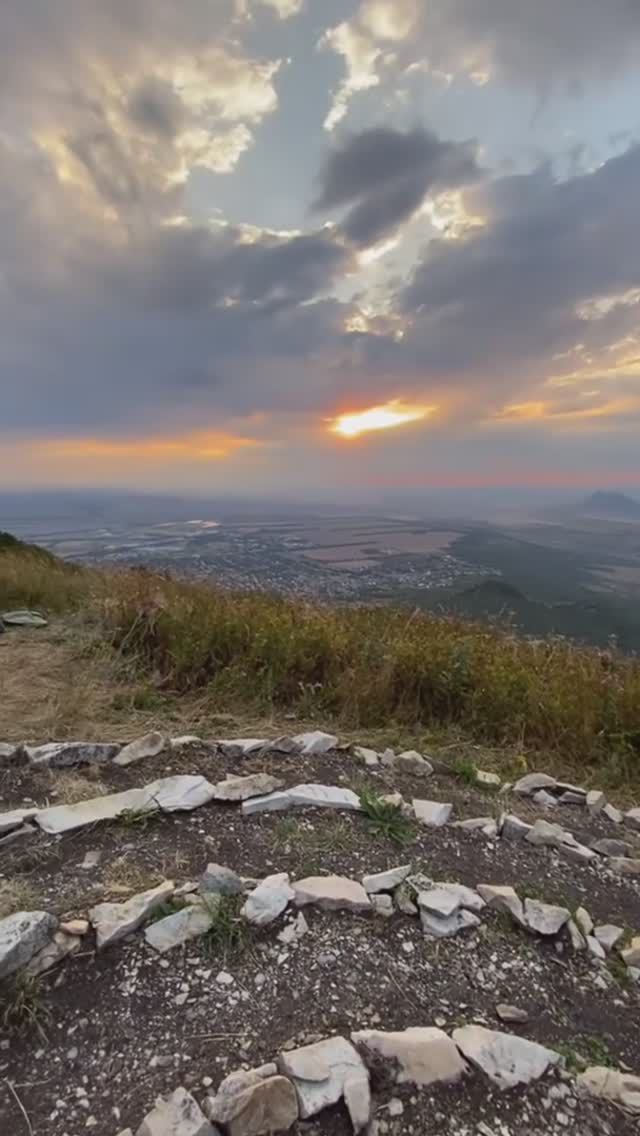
384,175
157,107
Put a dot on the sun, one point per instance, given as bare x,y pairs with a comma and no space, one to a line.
385,417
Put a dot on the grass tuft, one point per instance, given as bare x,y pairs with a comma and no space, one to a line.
229,933
385,819
22,1007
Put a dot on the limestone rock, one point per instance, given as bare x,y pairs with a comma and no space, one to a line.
219,880
433,814
268,900
316,742
23,618
243,788
78,927
625,866
466,896
148,746
503,899
66,818
403,898
243,746
382,905
112,921
179,928
488,780
632,819
595,802
180,793
178,1115
545,800
25,830
63,755
608,935
438,902
528,785
368,756
631,955
324,797
422,1055
385,881
331,893
576,853
184,741
273,802
595,948
512,1014
622,1089
22,935
444,927
569,797
513,828
544,918
325,1072
611,847
578,940
267,1105
7,751
294,931
412,762
613,814
474,823
506,1059
15,819
546,834
58,949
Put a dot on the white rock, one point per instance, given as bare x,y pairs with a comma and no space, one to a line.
625,866
385,881
246,745
578,940
274,802
331,893
58,949
148,746
508,1013
632,818
178,1115
584,921
528,785
184,741
323,797
253,1106
422,1055
220,880
568,797
243,788
490,780
382,905
544,918
22,935
325,1072
595,948
513,828
466,896
608,935
316,742
180,793
78,927
179,928
438,902
506,1059
631,955
14,819
66,818
413,762
502,899
613,814
269,900
61,755
546,834
622,1089
444,927
294,930
368,756
577,853
595,801
7,751
607,847
545,800
434,814
473,823
91,859
112,921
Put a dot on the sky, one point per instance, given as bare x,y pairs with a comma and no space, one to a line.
319,247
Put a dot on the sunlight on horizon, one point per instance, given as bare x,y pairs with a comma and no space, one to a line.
384,417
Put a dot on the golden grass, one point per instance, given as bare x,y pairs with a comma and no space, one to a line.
17,895
188,645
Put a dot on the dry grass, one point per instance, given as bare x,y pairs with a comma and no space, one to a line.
123,877
17,894
67,788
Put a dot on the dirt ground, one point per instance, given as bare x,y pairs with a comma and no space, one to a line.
116,1029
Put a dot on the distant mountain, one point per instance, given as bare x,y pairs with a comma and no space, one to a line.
615,506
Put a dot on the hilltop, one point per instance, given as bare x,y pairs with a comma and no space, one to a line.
617,506
323,870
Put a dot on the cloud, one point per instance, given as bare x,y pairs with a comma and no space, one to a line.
383,175
543,45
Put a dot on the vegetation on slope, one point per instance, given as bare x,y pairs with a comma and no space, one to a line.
361,667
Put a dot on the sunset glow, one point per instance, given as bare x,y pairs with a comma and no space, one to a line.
384,417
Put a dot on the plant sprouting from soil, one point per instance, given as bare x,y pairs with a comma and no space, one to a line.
228,933
386,819
22,1007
